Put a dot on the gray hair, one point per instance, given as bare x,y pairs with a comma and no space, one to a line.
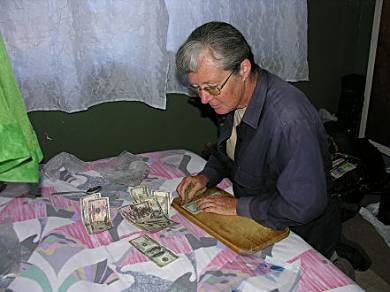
225,43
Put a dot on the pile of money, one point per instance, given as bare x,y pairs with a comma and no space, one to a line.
95,213
150,209
142,193
157,253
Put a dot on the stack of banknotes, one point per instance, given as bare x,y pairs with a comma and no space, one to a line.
150,209
95,213
157,253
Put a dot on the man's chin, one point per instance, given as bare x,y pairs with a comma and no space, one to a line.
220,110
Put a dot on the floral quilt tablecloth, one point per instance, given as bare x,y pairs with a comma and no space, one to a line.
44,245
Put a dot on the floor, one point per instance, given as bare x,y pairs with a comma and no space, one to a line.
377,278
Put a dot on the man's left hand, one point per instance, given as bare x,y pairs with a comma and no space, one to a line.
223,205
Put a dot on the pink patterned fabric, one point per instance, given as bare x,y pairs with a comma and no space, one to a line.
315,266
51,248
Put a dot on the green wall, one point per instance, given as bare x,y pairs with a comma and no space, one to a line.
339,33
107,129
338,36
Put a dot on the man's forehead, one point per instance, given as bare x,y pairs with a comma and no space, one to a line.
207,71
206,61
200,78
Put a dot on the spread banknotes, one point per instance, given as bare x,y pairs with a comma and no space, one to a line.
157,253
148,212
144,217
137,212
150,209
158,200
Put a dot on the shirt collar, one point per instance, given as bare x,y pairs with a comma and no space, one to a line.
256,103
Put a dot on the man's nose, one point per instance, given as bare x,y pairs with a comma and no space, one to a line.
205,97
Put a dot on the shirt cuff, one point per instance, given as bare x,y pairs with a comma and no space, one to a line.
211,175
243,206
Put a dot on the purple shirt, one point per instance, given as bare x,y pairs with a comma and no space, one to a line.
278,172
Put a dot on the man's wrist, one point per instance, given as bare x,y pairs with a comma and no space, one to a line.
243,206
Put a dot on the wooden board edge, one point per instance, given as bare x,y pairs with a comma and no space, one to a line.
233,247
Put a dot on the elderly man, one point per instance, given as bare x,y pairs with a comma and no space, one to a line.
273,146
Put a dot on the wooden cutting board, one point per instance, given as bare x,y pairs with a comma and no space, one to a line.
241,234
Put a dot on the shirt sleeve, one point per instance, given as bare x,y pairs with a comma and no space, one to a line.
216,168
301,193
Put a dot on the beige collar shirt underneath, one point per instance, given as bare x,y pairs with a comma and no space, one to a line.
231,142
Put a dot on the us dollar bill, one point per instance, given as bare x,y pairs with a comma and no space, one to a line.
187,191
84,210
157,253
193,206
99,214
161,256
155,226
164,199
143,243
139,193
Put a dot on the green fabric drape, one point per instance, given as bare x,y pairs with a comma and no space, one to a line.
20,153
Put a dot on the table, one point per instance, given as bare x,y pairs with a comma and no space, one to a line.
45,247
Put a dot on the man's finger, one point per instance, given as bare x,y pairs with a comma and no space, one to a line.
187,191
196,191
204,204
180,189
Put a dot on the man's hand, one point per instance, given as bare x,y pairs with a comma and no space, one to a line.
190,186
223,205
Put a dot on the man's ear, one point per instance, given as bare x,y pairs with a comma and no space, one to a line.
245,69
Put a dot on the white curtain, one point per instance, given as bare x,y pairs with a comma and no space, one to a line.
71,55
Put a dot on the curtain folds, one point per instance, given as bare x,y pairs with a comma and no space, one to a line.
71,55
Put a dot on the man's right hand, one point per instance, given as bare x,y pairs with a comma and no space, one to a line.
190,186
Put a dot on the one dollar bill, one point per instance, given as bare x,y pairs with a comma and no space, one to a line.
157,253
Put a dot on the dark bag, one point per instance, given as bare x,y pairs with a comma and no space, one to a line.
357,169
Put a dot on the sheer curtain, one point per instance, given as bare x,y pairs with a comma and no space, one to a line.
71,55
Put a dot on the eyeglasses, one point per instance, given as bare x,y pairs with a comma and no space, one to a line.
213,90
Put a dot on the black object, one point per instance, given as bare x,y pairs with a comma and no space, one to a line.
384,205
345,266
86,192
369,176
324,232
354,253
2,186
351,103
